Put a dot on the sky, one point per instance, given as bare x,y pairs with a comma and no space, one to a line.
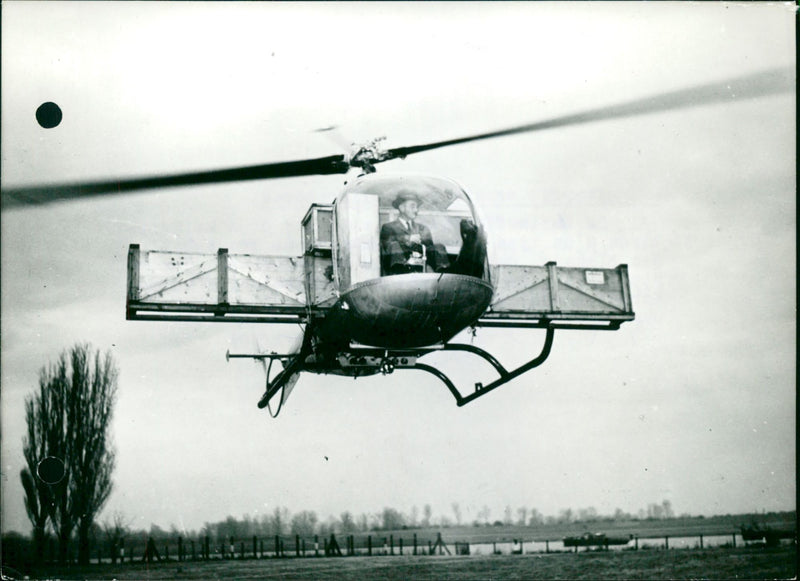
693,402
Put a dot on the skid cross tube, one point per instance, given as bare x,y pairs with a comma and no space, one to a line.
505,376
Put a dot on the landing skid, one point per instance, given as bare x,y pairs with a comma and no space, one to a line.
389,361
505,375
363,361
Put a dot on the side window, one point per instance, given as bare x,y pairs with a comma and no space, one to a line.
356,240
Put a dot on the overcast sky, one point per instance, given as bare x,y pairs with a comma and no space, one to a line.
693,402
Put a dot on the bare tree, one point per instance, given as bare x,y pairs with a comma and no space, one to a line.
536,518
69,419
45,415
427,511
37,505
280,520
414,516
484,514
348,523
91,404
392,519
304,523
116,530
456,512
655,511
587,514
566,516
38,494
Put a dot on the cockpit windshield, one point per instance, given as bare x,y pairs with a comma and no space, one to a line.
427,224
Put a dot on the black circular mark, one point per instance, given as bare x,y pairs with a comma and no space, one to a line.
48,115
51,470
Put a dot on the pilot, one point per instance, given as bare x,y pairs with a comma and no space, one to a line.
407,245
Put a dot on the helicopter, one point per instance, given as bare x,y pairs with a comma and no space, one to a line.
361,316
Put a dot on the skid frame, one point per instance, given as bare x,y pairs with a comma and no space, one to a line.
505,375
387,361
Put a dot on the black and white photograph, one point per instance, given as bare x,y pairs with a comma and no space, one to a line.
398,290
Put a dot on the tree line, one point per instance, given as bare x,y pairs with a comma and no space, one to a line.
306,523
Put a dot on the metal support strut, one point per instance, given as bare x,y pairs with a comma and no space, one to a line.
505,375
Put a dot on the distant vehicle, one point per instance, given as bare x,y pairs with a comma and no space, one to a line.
595,540
772,537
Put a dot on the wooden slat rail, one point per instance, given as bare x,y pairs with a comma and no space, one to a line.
244,288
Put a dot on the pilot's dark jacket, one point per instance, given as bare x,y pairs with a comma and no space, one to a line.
396,247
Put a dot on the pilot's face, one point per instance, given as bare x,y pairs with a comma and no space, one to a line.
408,209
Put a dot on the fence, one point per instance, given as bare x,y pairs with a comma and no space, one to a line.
206,548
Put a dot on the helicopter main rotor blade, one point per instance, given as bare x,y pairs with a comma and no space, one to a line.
43,194
766,83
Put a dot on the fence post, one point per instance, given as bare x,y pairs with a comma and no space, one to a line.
207,548
297,545
636,542
369,545
401,545
180,548
241,549
733,536
261,546
304,547
255,547
415,543
546,546
701,541
666,542
391,545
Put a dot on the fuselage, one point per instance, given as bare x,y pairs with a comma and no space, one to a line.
405,279
408,310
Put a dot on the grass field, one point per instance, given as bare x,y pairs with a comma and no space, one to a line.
675,527
721,563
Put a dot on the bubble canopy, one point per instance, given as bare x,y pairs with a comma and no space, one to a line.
435,193
416,272
443,216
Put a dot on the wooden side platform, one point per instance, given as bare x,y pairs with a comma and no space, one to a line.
244,288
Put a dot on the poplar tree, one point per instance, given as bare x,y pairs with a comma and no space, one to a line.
69,418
